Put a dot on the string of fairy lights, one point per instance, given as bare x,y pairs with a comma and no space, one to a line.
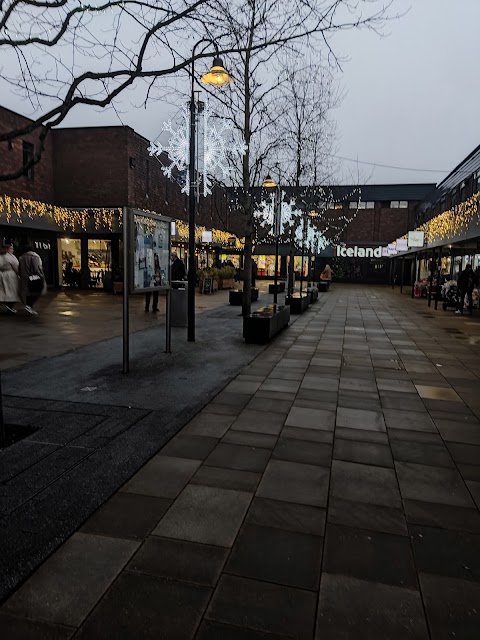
452,222
20,210
445,226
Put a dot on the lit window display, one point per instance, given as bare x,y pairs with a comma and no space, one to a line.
69,261
266,265
99,261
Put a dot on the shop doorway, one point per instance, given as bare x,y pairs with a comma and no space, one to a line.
69,262
100,263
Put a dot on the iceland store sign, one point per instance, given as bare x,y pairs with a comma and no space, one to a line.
358,252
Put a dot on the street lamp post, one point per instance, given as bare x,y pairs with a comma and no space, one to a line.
268,183
217,76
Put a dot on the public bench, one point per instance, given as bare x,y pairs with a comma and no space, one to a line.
297,302
262,325
235,296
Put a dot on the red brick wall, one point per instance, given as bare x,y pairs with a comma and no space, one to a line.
11,159
90,167
381,225
360,230
393,224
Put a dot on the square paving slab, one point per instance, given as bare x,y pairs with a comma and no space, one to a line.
447,553
451,606
303,451
127,515
261,606
205,514
69,584
437,393
276,555
295,482
239,457
162,477
360,419
374,485
132,604
369,555
286,515
13,628
311,419
356,609
365,452
432,484
179,560
367,516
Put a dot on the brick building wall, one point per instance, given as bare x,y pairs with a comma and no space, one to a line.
380,225
40,186
91,167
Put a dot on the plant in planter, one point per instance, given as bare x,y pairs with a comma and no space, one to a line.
226,278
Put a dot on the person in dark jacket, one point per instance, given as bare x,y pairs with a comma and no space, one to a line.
178,270
466,284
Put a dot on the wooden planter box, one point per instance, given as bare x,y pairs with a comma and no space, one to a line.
226,283
313,293
235,297
298,303
280,287
262,325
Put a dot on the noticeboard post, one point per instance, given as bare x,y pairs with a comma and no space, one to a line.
146,265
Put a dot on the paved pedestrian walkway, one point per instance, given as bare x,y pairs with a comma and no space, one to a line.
72,318
329,492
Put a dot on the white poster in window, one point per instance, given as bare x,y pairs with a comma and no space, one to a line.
416,239
402,244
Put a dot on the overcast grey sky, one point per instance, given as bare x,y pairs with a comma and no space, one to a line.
411,98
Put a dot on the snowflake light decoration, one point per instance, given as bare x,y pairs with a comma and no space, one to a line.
216,151
219,147
177,149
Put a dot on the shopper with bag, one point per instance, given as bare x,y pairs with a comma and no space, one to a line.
9,282
32,279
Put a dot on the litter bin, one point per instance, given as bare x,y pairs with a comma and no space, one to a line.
179,303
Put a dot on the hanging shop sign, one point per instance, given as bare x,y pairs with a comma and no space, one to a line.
392,249
416,239
358,252
207,236
402,244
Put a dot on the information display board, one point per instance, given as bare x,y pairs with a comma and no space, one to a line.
150,244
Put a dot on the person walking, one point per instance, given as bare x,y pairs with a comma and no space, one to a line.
32,279
9,281
466,284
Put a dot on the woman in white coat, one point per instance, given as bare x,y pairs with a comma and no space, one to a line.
9,280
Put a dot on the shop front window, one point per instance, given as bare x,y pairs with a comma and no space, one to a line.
298,265
99,262
70,261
